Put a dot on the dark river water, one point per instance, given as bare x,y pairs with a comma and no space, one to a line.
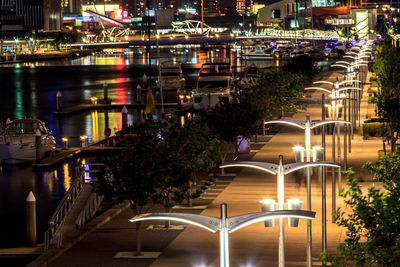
29,90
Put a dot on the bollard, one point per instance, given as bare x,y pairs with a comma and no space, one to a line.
84,140
268,205
138,94
59,101
105,91
93,100
65,142
38,145
31,219
124,117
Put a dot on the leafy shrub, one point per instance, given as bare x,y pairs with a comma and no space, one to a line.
375,129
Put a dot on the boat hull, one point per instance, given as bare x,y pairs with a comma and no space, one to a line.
14,150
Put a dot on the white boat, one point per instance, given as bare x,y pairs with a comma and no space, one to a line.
258,53
215,82
171,76
297,52
17,142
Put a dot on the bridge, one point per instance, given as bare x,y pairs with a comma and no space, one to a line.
174,39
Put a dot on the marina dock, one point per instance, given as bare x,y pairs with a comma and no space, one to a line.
63,155
84,107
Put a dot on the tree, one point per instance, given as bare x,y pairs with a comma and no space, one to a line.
387,68
129,177
238,116
280,88
372,225
242,113
192,145
148,173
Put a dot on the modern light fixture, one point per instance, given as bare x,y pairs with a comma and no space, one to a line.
307,126
280,171
225,225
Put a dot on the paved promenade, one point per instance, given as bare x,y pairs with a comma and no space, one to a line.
250,246
256,245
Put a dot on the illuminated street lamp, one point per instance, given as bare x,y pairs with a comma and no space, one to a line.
225,225
280,170
307,126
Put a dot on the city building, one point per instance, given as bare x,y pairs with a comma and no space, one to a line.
30,15
244,6
71,6
281,13
211,8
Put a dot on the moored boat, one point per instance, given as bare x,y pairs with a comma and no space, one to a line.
215,82
18,140
171,76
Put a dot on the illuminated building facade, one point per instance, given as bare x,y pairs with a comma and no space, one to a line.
244,6
211,8
71,6
28,15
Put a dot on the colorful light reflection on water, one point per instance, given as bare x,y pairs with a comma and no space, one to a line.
29,90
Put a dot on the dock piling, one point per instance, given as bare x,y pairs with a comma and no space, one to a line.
124,112
59,101
31,219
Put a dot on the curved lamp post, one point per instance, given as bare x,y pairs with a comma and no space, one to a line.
280,171
225,225
307,126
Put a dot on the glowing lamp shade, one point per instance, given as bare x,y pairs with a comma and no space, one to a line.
298,153
317,152
294,204
268,205
93,99
65,142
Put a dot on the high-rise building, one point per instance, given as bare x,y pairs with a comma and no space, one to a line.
211,8
71,6
244,6
52,15
26,15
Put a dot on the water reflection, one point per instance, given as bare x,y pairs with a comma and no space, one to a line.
31,91
15,184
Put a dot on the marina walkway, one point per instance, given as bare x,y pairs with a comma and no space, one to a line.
250,246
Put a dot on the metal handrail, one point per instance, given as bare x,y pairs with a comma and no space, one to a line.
90,209
56,221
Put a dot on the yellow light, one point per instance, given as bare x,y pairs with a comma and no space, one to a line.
181,96
64,139
93,99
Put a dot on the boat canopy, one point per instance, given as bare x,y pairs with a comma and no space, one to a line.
25,126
